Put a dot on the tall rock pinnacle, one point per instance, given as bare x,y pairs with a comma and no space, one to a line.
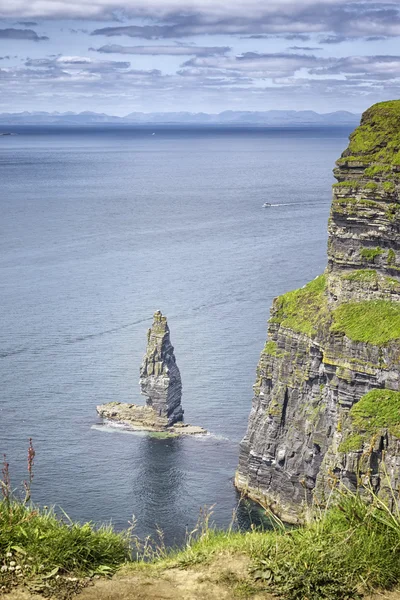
160,379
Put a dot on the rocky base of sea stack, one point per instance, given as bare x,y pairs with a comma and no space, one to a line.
144,418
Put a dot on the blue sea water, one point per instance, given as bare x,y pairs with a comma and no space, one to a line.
98,229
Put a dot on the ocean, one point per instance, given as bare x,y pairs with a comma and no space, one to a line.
100,228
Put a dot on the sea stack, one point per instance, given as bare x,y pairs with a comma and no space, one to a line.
160,379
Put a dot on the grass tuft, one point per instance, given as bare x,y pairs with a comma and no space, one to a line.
349,549
376,411
375,322
301,310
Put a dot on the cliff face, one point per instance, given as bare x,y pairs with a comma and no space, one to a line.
160,379
326,405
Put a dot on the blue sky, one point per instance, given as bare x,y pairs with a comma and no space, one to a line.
119,56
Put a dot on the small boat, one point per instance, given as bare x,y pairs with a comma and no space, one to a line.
266,204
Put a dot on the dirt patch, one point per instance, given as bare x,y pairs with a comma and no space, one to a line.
225,578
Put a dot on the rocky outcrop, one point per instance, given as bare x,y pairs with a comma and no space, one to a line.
160,379
160,382
326,407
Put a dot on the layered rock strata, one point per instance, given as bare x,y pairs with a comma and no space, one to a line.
160,382
160,379
326,407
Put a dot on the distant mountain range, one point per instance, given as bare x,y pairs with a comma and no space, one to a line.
271,118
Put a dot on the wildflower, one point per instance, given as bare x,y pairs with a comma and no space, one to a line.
9,554
4,569
12,563
18,568
11,568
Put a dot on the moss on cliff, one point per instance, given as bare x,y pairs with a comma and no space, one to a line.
375,322
378,137
377,411
362,275
270,348
371,253
301,310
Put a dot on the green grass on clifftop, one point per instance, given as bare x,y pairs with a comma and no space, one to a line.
301,310
376,411
376,322
342,552
377,139
37,546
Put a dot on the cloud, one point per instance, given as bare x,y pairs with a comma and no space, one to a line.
76,63
21,34
177,50
334,39
165,19
252,64
368,68
304,48
27,23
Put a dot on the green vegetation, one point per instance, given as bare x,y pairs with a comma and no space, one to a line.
376,322
377,139
347,184
39,548
377,170
376,411
302,310
393,212
371,185
271,348
371,253
46,542
344,551
391,257
351,546
372,277
389,187
362,275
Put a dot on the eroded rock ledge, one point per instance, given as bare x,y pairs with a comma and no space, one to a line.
160,382
326,407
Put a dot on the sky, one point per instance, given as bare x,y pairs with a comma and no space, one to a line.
123,56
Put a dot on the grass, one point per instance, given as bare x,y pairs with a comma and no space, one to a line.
391,257
271,348
362,275
377,139
375,322
344,551
302,310
349,548
35,543
39,548
377,411
371,253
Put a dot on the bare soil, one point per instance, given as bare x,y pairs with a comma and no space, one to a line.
225,578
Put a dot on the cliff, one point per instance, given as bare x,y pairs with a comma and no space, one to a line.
326,407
